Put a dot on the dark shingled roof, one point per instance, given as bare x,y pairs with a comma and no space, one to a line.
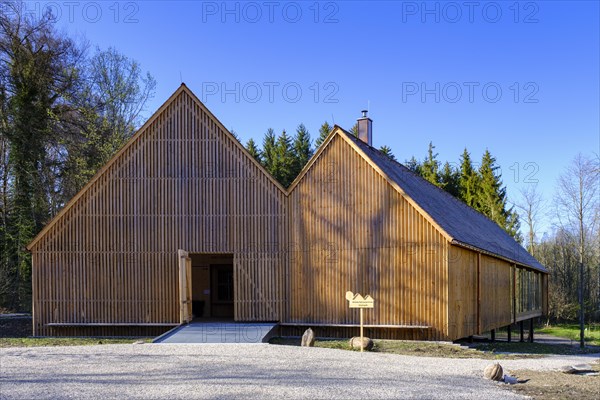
465,225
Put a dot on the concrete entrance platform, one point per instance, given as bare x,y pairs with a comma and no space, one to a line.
219,332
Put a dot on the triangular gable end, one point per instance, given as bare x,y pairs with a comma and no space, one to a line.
338,131
314,158
182,90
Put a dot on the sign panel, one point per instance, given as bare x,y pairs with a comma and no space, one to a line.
358,301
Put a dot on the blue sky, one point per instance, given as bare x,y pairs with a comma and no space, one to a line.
521,79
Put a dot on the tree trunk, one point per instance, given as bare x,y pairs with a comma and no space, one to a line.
581,312
581,270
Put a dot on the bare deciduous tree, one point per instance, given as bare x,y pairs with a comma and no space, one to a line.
530,206
577,209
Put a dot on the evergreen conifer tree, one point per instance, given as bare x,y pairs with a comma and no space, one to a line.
254,150
449,178
388,152
283,169
323,133
302,149
491,196
268,151
413,165
430,167
468,182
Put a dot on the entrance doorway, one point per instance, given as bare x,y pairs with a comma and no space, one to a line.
212,286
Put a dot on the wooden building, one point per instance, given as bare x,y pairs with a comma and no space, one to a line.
184,223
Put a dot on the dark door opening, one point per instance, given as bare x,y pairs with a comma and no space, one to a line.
221,276
212,286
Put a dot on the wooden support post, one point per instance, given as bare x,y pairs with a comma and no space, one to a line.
508,332
493,335
522,331
514,294
479,293
531,330
361,330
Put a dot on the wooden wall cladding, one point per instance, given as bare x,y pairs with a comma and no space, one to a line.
351,230
462,292
496,280
485,293
181,183
108,264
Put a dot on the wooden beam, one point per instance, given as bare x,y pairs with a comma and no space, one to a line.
521,330
479,293
355,325
527,315
530,337
514,299
67,324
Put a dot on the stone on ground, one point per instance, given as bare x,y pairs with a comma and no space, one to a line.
366,344
308,338
493,372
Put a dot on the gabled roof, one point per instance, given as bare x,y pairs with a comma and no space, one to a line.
183,89
465,226
459,223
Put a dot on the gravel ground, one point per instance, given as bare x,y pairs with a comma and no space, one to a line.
212,371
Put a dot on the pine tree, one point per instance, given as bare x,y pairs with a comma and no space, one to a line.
468,182
413,165
253,150
354,129
268,151
235,135
430,167
449,178
492,197
283,168
388,152
323,133
513,225
302,149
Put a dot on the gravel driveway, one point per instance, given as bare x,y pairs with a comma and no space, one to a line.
211,371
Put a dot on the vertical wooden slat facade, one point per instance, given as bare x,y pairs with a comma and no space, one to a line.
505,298
108,264
353,231
185,183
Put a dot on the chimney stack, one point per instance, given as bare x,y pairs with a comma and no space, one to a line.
365,128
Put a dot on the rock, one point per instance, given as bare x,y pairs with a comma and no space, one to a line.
578,369
355,343
493,372
308,338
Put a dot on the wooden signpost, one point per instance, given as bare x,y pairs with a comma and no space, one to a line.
358,301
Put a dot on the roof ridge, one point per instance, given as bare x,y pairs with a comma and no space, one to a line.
499,241
449,195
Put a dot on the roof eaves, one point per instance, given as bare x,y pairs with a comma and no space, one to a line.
489,253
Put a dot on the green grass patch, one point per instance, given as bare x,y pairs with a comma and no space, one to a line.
539,349
432,349
41,342
415,348
571,331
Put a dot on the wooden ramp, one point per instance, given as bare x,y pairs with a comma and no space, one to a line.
219,332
